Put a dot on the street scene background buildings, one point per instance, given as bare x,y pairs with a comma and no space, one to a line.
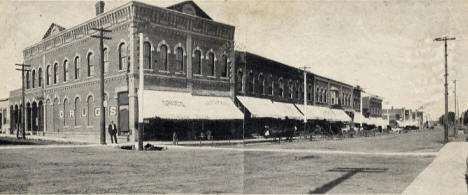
313,35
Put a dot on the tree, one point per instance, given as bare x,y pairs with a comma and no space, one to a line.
465,118
451,118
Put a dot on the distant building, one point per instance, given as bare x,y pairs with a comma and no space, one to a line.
4,115
372,106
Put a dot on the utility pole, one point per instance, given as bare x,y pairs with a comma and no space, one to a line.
305,95
445,39
23,109
455,111
141,83
101,38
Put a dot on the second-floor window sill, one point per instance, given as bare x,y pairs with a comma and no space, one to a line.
163,71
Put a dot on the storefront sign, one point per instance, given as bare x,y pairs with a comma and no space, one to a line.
61,114
72,114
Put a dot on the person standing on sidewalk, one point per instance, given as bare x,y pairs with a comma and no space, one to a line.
113,132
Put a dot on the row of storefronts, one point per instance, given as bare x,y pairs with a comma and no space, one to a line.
195,83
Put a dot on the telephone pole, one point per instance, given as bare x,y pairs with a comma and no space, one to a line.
445,39
23,109
455,111
304,68
101,38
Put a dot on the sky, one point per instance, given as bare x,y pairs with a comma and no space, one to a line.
386,47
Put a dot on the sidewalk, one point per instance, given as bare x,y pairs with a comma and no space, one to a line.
445,175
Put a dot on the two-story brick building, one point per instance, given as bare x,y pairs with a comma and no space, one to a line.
183,51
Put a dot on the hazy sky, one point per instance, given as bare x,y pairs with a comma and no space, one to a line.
384,46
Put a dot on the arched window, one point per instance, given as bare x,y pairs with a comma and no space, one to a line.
253,78
65,113
281,87
291,90
269,86
65,71
240,81
325,94
77,63
211,63
180,59
309,92
39,75
56,73
164,60
90,104
106,60
297,90
250,82
261,80
147,55
90,59
27,80
197,62
224,68
122,56
76,111
33,79
48,74
272,86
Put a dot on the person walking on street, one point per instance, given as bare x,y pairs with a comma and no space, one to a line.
174,138
113,132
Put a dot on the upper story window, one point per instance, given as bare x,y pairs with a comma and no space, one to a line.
281,87
290,85
147,55
224,68
33,79
271,85
106,60
122,56
250,82
56,73
197,58
240,80
309,92
39,75
65,71
90,60
77,64
48,75
180,59
164,60
261,81
27,80
211,64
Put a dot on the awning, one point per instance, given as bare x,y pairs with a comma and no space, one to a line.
288,110
312,112
184,106
359,118
259,107
340,115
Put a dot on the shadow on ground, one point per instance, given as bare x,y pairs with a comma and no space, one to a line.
349,173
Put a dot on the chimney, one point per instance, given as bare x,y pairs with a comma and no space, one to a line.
99,7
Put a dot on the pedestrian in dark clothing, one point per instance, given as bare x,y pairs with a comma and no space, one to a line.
174,138
113,132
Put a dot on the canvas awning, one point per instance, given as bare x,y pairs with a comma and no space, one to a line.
340,115
312,112
359,118
184,106
260,107
288,110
